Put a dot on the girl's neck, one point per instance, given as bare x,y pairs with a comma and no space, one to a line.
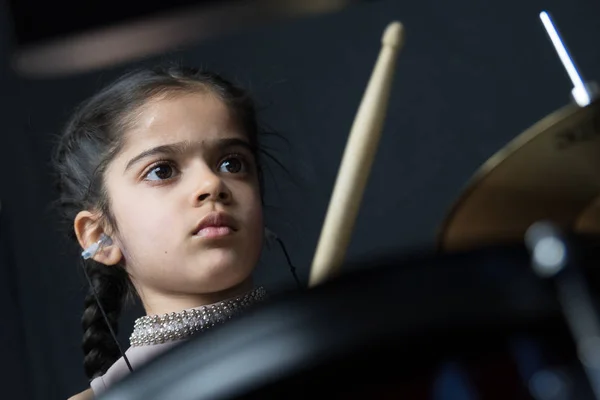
163,304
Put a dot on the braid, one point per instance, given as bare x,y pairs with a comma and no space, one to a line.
111,286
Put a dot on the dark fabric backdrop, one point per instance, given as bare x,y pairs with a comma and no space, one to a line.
472,76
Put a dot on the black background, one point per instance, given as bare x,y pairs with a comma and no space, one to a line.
473,74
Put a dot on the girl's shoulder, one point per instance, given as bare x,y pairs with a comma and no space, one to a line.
85,395
137,356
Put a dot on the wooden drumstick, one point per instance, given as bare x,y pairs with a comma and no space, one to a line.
357,161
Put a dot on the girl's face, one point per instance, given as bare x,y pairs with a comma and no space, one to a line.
185,196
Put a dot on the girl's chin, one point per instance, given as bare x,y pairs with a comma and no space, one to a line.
220,264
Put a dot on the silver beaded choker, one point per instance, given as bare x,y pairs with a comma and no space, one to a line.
157,329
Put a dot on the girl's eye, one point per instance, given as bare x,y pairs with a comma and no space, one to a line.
160,172
232,165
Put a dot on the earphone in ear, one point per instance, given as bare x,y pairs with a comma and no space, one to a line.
93,249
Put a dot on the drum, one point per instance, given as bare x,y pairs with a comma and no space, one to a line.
478,324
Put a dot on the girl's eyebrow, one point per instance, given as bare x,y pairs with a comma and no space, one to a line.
183,147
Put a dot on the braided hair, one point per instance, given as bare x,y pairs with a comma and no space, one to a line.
91,139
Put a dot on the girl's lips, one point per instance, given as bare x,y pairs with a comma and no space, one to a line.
214,231
211,223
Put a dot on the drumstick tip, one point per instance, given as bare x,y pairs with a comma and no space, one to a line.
393,35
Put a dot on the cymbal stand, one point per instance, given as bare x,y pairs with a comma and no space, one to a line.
554,256
583,93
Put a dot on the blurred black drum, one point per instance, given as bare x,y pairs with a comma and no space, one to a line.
471,325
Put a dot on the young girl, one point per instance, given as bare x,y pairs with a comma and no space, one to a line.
158,175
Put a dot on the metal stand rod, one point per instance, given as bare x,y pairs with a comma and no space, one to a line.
552,257
583,92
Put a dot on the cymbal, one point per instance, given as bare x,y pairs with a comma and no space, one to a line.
549,172
123,31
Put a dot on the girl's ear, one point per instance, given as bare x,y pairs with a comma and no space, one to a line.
88,231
